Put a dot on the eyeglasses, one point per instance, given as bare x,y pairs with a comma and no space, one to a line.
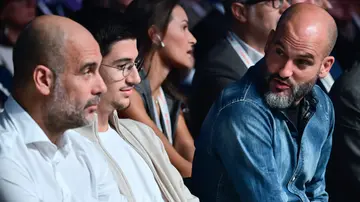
127,68
274,3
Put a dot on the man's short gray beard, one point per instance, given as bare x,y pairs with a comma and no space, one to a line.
277,101
61,114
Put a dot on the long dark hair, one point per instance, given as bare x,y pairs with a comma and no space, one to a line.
146,13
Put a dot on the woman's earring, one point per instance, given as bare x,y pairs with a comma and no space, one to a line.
161,42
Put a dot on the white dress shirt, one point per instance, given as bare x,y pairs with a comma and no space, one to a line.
254,55
34,169
137,172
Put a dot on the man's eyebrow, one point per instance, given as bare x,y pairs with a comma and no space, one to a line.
307,56
302,55
121,60
88,65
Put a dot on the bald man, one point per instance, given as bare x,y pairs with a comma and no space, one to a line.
268,137
57,86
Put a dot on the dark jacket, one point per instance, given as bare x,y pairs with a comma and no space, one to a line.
221,67
343,175
248,152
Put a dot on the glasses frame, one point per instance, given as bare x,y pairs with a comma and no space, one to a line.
138,64
281,2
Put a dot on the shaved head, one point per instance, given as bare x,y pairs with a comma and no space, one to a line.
304,17
56,79
44,42
298,54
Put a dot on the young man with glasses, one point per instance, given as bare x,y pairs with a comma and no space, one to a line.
250,22
135,154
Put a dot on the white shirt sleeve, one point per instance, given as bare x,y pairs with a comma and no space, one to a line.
15,183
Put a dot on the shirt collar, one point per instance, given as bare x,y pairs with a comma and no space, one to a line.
24,123
30,130
254,55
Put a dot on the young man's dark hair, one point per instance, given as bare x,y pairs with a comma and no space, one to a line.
107,26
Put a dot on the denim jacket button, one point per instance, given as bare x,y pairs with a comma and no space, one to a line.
293,179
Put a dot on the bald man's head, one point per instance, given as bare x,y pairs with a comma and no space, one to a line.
57,64
43,42
297,54
303,15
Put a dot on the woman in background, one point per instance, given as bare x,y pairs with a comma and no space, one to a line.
166,45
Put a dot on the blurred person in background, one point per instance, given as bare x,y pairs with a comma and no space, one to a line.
250,22
117,5
120,5
14,16
166,45
343,176
347,17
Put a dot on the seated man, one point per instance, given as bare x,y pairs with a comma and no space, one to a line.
57,86
136,155
268,136
250,22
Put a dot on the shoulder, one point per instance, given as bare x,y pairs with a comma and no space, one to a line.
324,102
132,124
80,143
142,132
13,150
242,92
345,91
222,55
347,80
239,103
220,46
10,138
11,169
135,127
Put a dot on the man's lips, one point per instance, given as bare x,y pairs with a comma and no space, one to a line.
127,90
92,108
280,85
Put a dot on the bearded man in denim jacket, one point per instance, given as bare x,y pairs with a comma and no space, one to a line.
268,136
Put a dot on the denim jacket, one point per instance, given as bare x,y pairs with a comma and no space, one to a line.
249,152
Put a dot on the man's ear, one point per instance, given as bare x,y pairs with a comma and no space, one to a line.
269,40
239,12
326,66
44,79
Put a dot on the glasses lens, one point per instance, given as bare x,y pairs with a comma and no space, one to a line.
127,69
